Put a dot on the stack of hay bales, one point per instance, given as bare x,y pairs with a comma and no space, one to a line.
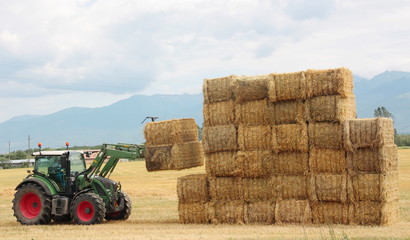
286,148
172,145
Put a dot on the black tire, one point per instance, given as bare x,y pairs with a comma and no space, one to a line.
88,208
31,205
123,214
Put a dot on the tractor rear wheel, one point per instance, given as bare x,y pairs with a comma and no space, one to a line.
88,208
123,214
31,205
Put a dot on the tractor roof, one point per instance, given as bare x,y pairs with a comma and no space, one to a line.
51,153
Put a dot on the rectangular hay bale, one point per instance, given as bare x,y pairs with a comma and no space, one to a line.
287,86
257,163
258,112
219,138
260,189
193,188
327,161
250,88
287,112
231,212
218,89
374,213
369,133
326,135
223,164
291,163
196,213
254,137
171,132
290,137
293,187
329,187
331,108
330,212
293,211
337,81
262,212
225,188
219,113
370,160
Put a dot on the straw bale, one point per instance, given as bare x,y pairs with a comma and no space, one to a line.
290,137
369,133
330,212
291,163
293,211
171,132
219,138
293,187
226,188
251,88
375,213
260,189
259,212
370,160
258,112
219,113
287,86
337,81
218,89
174,157
326,135
329,187
254,137
257,163
231,212
287,112
193,213
373,186
193,188
223,164
331,108
327,161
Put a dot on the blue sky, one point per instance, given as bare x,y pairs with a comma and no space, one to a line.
90,53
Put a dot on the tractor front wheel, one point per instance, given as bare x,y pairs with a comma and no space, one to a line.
123,214
31,205
88,208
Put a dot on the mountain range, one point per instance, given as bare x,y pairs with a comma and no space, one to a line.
121,121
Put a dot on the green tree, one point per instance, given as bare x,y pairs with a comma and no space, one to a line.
383,112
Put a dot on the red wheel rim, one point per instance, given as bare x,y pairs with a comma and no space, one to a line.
30,205
85,211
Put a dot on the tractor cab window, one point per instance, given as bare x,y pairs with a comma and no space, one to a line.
77,163
47,164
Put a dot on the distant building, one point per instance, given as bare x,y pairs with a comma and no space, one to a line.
17,163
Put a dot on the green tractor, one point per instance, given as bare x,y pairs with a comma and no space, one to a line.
61,188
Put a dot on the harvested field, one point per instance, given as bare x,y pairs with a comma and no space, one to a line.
251,88
288,86
171,132
329,82
327,161
290,137
331,108
219,113
219,138
218,89
326,135
372,160
223,164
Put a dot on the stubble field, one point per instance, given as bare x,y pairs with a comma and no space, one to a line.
155,213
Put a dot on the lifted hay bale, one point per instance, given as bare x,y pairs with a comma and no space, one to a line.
287,86
259,212
254,137
293,187
287,112
290,137
293,211
369,133
327,161
374,213
337,81
257,163
219,113
251,88
373,186
326,135
193,213
291,163
174,157
218,89
369,160
331,108
219,138
258,112
329,187
193,188
171,132
330,212
226,188
223,164
260,189
226,212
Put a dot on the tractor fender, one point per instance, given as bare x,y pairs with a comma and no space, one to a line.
79,193
40,183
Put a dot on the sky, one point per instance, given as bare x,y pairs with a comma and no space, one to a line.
92,53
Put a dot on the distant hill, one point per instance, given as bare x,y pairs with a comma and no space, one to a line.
121,121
